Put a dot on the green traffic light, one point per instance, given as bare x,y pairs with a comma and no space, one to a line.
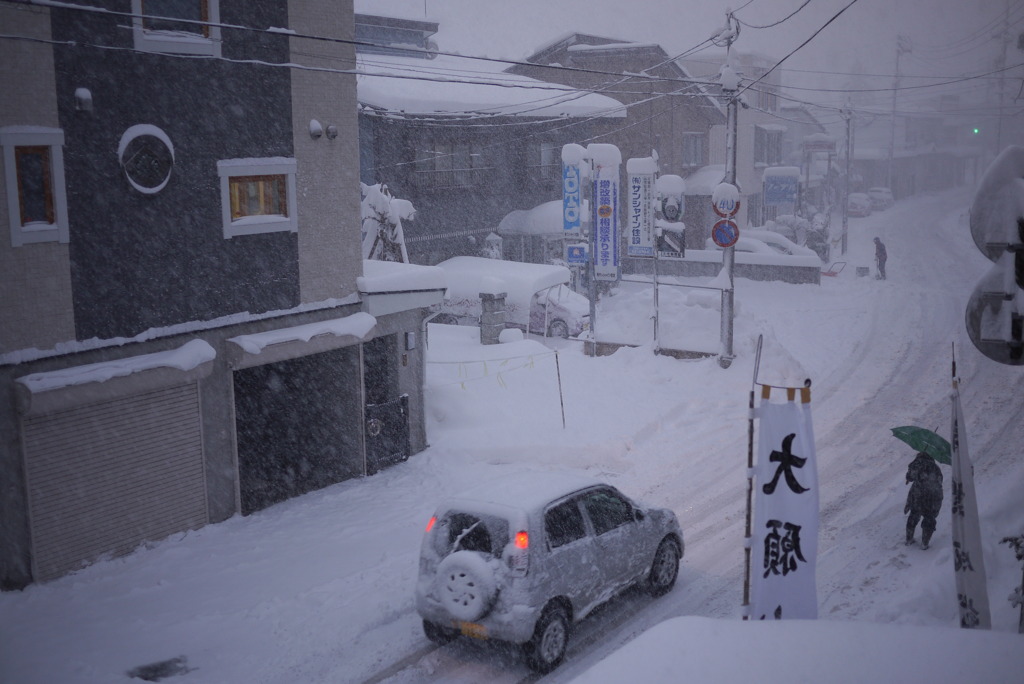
976,131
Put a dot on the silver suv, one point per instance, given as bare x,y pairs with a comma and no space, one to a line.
524,558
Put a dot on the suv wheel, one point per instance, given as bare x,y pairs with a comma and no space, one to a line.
550,637
664,569
437,633
466,585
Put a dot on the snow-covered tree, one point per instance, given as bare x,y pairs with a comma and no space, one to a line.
382,216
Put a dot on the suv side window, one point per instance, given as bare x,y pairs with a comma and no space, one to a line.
607,510
564,523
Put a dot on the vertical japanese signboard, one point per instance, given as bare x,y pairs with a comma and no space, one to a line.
784,544
641,174
606,221
571,200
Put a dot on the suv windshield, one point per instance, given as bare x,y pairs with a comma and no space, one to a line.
460,531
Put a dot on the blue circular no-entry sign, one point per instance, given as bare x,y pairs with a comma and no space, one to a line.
725,233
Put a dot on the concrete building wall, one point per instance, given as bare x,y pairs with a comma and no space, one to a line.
330,256
35,279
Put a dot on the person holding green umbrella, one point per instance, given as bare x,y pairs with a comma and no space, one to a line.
924,500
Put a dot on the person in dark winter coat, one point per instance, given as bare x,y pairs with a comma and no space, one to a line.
880,257
924,500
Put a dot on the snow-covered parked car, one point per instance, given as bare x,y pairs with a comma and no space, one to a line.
523,558
536,295
881,198
858,204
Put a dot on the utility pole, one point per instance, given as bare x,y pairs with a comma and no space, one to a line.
902,45
1002,77
848,115
730,89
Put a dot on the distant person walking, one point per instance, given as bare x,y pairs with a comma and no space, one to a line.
880,257
924,500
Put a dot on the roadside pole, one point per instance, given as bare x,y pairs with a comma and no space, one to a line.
730,86
847,114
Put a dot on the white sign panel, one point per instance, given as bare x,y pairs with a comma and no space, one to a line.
606,222
571,203
784,544
641,215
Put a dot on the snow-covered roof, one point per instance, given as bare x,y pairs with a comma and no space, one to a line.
190,355
704,180
528,491
543,219
469,276
450,85
391,276
358,325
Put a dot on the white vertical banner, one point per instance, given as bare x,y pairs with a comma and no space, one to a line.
968,562
641,174
606,159
784,535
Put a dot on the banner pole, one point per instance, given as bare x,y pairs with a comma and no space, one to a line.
750,484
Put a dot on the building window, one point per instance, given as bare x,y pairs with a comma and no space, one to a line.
257,195
171,26
693,149
767,146
550,161
34,175
447,165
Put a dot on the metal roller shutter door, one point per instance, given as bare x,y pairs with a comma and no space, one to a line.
106,477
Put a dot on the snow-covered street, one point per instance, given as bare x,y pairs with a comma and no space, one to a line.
318,589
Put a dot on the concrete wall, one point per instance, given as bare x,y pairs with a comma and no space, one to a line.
330,256
35,279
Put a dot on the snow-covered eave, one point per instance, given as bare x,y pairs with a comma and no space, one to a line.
48,391
282,344
76,346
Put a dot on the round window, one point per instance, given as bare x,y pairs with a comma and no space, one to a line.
147,157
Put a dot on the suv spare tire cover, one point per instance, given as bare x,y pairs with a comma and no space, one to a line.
466,585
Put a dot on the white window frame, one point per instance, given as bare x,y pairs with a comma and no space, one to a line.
254,225
36,231
178,42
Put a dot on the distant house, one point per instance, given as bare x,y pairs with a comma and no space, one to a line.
464,140
668,110
187,329
930,148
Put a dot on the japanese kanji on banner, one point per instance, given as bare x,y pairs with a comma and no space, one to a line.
968,562
784,535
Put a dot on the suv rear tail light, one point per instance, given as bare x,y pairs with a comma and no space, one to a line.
430,523
518,558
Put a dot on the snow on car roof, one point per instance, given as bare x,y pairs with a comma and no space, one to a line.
521,281
527,491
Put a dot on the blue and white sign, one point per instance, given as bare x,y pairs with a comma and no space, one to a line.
576,254
571,198
780,190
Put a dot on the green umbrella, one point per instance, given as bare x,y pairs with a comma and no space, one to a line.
924,440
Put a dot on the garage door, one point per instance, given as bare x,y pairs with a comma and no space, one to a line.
105,477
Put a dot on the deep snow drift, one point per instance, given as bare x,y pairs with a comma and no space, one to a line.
319,588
